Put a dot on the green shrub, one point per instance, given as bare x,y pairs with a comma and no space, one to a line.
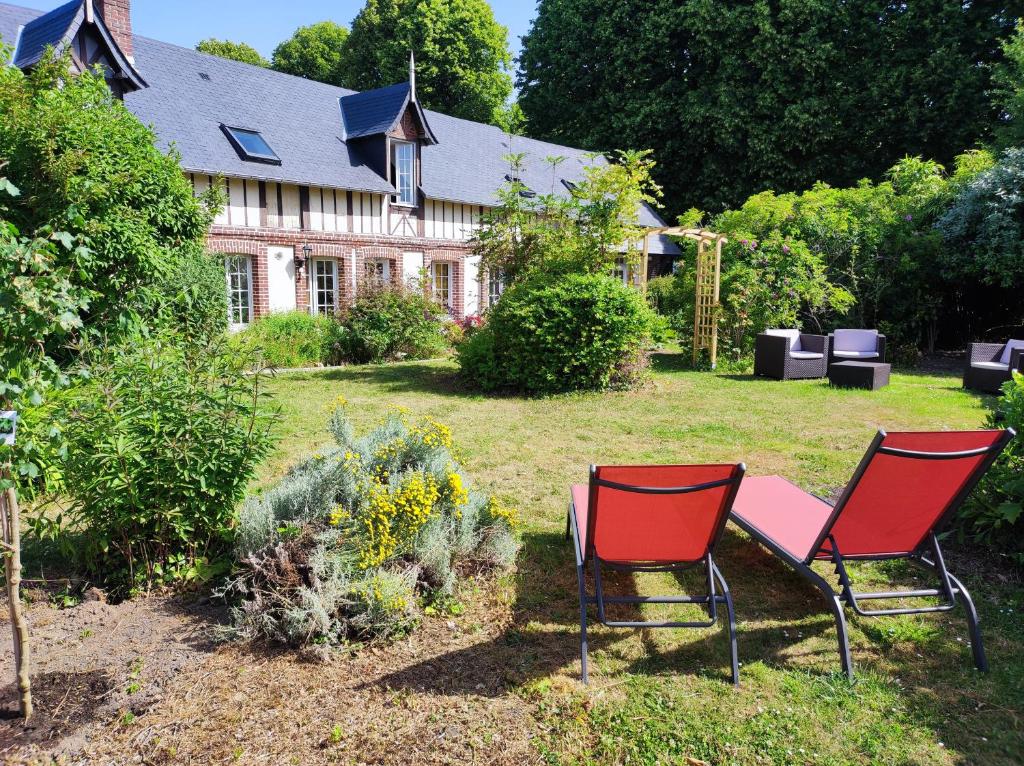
394,322
87,166
294,339
161,439
572,332
993,514
356,540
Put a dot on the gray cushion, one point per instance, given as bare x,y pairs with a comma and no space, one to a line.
1009,347
991,366
855,340
805,355
856,354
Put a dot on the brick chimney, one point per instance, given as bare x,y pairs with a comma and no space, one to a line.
117,15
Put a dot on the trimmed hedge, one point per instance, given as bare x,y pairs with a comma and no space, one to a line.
566,333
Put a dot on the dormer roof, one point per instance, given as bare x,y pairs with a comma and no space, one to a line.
59,28
380,111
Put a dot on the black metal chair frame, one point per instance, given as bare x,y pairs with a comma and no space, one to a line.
711,600
927,555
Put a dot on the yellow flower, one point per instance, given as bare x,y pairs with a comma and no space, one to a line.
338,515
506,513
457,491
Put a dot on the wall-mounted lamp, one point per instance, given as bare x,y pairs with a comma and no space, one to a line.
307,251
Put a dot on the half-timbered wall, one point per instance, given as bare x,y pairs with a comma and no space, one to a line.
252,203
450,220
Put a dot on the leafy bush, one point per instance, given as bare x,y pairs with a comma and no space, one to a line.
294,339
161,439
572,332
996,508
358,538
394,322
87,166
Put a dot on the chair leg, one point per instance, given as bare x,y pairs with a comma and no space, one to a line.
836,605
581,576
568,523
973,624
733,650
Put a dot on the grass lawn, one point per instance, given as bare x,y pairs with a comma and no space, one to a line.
660,697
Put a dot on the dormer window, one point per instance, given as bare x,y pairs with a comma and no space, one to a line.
403,171
251,145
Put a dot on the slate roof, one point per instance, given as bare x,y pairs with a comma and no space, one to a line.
378,111
12,18
53,28
302,122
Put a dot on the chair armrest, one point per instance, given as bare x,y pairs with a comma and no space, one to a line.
815,343
881,347
773,345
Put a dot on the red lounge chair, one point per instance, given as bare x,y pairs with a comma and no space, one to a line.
653,518
906,486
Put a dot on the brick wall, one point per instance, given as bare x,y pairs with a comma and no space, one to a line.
339,246
117,15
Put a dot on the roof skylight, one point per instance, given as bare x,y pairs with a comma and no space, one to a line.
251,145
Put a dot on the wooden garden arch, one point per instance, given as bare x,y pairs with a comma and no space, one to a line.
709,275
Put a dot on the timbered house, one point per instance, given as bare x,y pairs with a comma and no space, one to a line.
324,186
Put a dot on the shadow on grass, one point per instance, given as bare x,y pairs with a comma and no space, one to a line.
433,377
543,635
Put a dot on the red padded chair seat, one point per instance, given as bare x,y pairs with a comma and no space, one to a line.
782,512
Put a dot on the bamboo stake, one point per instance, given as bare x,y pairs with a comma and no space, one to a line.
10,523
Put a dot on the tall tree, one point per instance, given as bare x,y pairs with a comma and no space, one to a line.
738,96
1009,90
462,55
227,49
316,52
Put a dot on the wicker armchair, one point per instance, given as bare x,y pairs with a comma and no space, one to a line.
774,357
985,369
856,346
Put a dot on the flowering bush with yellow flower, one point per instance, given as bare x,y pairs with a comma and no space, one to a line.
388,522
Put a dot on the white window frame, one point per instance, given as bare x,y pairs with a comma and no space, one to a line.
495,286
434,269
404,180
315,291
242,312
621,271
378,270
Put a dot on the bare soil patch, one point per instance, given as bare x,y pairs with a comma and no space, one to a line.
93,663
441,696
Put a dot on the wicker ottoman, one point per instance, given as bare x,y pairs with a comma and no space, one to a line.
870,375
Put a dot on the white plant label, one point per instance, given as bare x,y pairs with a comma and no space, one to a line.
8,425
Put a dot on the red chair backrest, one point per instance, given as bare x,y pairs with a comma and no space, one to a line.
629,524
895,500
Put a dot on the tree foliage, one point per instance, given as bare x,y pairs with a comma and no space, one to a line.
227,49
584,231
984,226
1008,78
86,166
316,52
746,95
462,55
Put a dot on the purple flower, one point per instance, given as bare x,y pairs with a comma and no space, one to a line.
785,248
908,217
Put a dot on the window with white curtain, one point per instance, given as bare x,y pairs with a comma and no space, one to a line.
403,171
325,286
238,269
441,282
